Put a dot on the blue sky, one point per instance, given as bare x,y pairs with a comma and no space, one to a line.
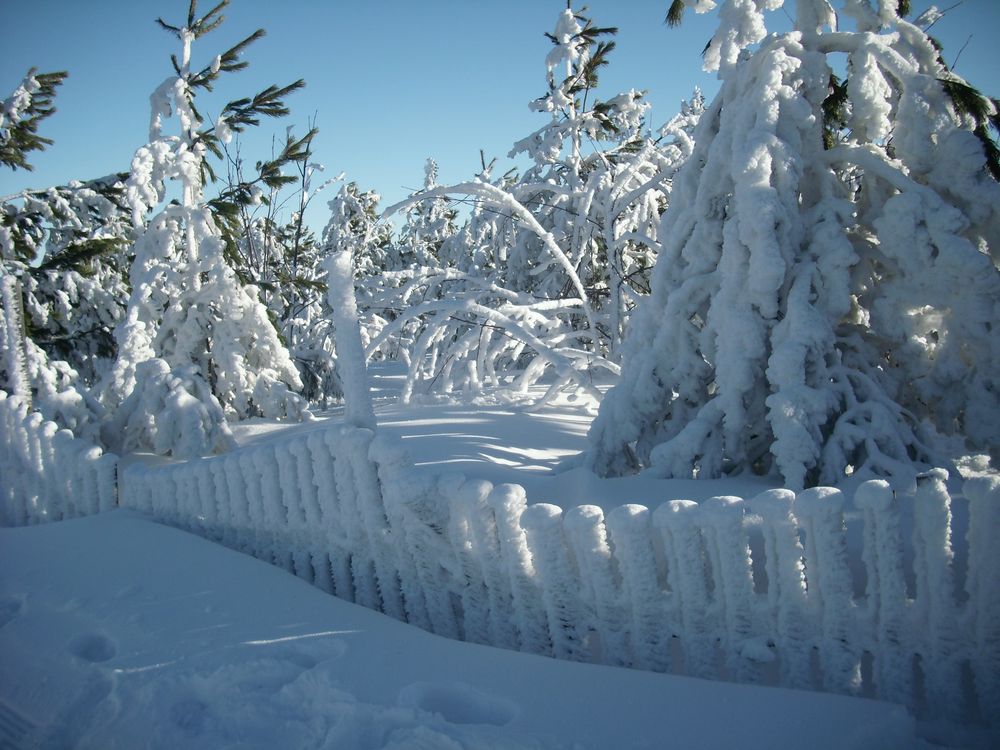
390,83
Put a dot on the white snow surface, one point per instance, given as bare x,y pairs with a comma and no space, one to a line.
507,442
116,632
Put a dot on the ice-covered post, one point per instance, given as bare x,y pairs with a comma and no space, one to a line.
13,336
350,352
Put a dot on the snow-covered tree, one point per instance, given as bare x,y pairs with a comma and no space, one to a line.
61,266
273,248
429,227
825,300
187,306
541,279
68,246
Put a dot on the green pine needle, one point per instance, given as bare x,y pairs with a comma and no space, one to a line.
675,14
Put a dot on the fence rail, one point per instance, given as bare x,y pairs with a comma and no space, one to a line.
866,595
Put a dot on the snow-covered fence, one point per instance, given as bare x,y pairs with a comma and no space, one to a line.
47,474
809,591
805,591
310,503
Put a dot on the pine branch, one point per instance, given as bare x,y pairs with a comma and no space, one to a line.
78,253
675,14
834,111
983,111
243,112
207,23
21,136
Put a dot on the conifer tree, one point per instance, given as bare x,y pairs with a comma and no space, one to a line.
61,266
196,346
825,300
429,226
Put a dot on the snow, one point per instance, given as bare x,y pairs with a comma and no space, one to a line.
508,443
118,632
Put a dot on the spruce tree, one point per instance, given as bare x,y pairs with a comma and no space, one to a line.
200,341
61,266
825,300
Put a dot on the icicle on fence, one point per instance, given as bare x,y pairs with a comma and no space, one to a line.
796,590
47,474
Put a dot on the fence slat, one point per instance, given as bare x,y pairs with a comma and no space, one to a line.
820,510
984,593
543,529
643,601
600,582
721,520
935,598
786,590
887,586
508,502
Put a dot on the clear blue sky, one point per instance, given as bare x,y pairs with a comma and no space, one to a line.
390,83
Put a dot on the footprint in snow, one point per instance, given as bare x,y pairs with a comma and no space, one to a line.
10,608
458,703
93,647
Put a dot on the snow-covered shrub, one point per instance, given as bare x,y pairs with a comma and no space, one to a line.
170,412
825,299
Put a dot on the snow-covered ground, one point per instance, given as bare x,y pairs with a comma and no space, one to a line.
510,442
116,632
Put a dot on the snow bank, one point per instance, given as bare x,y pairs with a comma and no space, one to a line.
125,633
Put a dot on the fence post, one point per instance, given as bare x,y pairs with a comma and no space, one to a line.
509,502
15,337
630,532
983,494
588,538
721,521
485,539
560,585
935,594
462,498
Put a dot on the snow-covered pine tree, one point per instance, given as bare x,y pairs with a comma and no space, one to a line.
61,250
279,253
825,300
428,227
68,244
196,338
588,156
